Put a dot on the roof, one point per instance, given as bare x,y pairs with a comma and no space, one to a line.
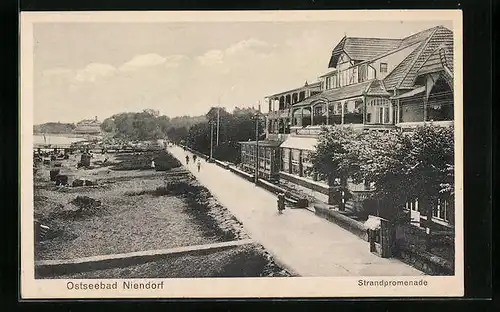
362,49
377,88
418,37
403,76
340,93
304,87
411,93
441,58
264,143
309,100
303,143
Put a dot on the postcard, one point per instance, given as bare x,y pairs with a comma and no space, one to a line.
241,154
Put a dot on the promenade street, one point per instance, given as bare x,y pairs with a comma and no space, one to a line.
298,239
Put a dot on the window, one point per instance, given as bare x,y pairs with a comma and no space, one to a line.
363,73
368,117
380,108
383,67
296,162
355,74
327,83
306,165
380,116
386,115
440,210
338,109
353,112
285,163
335,80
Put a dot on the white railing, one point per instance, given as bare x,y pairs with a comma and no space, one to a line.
414,124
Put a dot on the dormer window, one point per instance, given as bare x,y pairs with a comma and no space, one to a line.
383,67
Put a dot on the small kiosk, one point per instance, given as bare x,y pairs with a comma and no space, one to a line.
379,236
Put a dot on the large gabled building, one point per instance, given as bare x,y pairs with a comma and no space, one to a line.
372,84
88,126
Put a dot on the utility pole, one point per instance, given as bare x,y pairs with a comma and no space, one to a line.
211,139
218,122
257,116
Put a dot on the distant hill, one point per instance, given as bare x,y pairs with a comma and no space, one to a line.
54,127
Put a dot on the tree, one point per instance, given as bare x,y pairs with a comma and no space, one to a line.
332,160
108,125
402,165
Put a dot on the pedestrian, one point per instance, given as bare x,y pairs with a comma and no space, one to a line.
281,203
198,164
187,159
194,157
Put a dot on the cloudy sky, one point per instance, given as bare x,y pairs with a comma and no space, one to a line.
83,70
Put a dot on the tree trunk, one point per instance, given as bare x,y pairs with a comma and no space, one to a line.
332,192
342,195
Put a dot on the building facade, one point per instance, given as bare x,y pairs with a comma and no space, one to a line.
373,84
88,126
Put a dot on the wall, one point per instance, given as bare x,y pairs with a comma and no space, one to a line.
373,110
392,61
424,261
353,226
317,187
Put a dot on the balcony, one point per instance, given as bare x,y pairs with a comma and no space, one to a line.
316,129
277,136
282,113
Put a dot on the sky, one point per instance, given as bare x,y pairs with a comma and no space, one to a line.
84,70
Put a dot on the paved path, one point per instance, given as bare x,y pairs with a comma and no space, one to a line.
301,241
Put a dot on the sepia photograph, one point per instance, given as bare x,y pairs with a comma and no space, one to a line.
268,154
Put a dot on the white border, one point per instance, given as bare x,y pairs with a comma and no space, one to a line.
438,286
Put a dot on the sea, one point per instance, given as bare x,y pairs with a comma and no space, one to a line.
55,139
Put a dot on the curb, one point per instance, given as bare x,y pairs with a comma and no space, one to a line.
63,267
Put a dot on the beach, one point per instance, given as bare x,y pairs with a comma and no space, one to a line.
131,207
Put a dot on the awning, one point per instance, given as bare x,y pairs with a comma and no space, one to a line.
300,143
410,93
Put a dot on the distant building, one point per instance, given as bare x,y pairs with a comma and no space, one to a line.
88,126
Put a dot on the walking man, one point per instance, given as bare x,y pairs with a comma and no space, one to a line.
198,164
194,157
281,203
187,159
